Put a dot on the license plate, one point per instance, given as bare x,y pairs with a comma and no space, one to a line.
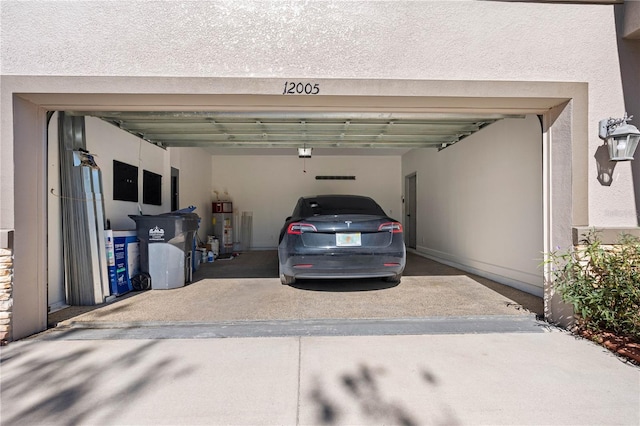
348,240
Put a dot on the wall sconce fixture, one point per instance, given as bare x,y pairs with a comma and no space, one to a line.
304,152
620,137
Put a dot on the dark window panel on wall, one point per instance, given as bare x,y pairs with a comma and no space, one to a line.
151,188
125,182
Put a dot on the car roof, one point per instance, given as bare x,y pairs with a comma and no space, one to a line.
311,197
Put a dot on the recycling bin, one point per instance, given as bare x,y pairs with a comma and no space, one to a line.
166,245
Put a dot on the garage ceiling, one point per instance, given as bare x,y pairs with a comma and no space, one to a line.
246,132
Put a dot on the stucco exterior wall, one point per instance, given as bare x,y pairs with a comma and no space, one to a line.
470,40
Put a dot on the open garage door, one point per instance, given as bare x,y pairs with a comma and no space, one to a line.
317,130
236,166
252,142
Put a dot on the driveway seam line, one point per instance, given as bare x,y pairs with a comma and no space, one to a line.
299,380
305,328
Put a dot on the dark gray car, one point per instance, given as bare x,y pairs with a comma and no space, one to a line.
340,236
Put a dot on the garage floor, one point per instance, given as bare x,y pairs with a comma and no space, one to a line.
248,288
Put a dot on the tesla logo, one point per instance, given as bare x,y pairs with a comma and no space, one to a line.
348,222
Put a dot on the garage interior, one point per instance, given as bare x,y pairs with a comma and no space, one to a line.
243,144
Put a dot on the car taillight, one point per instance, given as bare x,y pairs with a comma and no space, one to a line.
395,227
298,228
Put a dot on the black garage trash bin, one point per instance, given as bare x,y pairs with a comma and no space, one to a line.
166,245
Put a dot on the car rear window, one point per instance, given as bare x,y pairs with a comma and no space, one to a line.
341,205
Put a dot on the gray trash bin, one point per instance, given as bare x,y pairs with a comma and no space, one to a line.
166,245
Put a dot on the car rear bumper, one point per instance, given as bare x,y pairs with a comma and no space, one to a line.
334,265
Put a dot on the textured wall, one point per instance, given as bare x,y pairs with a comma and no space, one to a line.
472,40
394,39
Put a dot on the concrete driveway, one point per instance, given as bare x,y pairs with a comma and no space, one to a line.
447,348
532,378
248,288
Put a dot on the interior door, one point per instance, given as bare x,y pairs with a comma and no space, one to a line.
175,198
410,211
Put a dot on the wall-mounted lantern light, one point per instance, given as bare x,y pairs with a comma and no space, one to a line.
621,138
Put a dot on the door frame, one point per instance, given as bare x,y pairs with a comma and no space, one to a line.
25,101
175,189
410,202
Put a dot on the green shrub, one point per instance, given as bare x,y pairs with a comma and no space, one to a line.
602,283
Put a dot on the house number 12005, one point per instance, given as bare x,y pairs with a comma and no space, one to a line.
299,88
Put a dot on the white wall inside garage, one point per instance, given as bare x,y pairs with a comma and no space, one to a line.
109,143
194,165
479,203
269,186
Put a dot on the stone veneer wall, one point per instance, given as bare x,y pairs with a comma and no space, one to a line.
6,285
